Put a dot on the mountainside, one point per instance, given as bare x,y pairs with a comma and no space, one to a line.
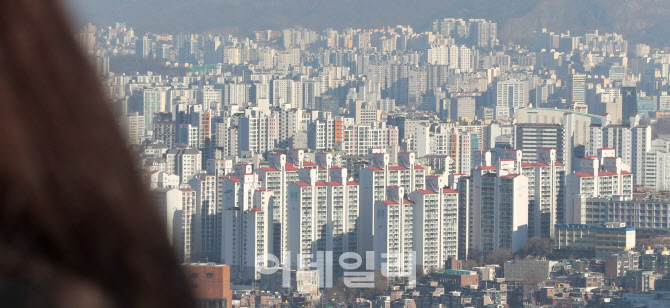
639,20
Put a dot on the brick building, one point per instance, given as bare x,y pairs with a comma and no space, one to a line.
211,284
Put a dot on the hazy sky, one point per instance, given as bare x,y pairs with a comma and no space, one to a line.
641,20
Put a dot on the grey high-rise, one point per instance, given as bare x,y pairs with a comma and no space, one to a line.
629,106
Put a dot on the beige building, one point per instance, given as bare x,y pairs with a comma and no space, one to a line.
605,240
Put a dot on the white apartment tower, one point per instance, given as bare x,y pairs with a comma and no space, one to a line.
184,162
277,177
133,128
435,227
322,216
499,195
546,184
257,132
601,176
177,208
243,202
393,240
375,180
207,217
255,240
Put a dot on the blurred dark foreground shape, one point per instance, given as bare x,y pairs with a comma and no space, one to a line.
76,226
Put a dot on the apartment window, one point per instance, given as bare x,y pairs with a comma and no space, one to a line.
209,275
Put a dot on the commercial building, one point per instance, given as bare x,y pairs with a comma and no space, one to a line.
629,96
602,241
576,89
530,138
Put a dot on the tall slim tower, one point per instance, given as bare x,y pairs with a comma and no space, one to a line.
629,99
576,89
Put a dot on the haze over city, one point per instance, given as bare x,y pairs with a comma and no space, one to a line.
641,20
442,153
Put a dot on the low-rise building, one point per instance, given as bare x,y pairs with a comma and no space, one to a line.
650,300
210,283
456,278
528,269
658,261
488,272
602,241
618,264
641,281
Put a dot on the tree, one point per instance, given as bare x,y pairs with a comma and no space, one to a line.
536,247
475,258
340,293
474,254
661,127
498,256
470,264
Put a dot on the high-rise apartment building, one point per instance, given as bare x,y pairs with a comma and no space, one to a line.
435,220
246,222
185,162
483,33
321,132
177,208
601,176
143,47
546,196
499,195
208,231
393,240
321,217
509,96
375,180
154,100
358,139
133,127
165,131
257,132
